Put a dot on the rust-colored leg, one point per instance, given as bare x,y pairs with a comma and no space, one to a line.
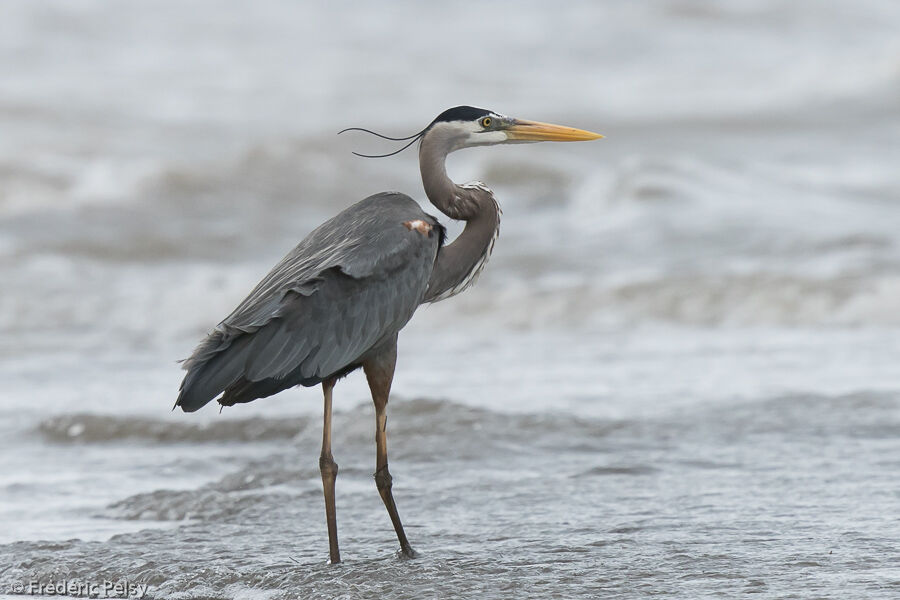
329,470
380,374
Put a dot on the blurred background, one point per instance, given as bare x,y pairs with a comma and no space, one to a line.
683,354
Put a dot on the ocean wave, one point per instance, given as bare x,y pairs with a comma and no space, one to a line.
699,299
762,299
412,419
90,428
428,431
206,504
422,431
253,526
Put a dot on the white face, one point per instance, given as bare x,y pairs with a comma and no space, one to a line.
485,131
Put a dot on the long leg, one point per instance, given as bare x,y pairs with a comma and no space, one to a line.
380,374
329,470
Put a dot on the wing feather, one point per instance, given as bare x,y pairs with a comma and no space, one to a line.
349,286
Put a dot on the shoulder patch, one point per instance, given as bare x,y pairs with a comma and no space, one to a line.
418,225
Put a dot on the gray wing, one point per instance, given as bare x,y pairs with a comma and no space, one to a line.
352,284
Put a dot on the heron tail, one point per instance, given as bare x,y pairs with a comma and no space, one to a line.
214,365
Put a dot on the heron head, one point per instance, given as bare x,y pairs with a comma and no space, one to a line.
467,126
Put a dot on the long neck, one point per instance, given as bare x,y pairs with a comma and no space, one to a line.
458,264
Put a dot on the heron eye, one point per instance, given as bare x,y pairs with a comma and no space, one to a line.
486,122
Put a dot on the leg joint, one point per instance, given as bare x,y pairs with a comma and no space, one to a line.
327,466
383,479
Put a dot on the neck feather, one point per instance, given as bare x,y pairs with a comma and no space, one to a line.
458,264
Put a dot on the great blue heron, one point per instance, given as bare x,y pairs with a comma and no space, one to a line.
337,301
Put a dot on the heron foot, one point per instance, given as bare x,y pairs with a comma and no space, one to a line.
406,553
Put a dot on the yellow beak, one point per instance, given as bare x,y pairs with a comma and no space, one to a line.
534,131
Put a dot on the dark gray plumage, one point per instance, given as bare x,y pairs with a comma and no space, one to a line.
347,288
337,301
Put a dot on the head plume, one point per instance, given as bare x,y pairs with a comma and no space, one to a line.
457,113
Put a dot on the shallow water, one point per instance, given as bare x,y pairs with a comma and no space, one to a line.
787,496
677,376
